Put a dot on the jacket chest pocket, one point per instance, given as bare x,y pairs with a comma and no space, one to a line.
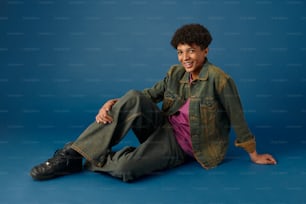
208,116
171,102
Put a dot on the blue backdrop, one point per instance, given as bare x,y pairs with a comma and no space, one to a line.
61,60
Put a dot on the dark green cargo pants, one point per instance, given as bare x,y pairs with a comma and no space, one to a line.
157,150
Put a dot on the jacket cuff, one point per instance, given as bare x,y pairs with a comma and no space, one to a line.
249,146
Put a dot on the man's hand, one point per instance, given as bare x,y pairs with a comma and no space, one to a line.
103,116
262,158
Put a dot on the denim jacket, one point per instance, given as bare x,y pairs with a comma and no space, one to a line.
214,108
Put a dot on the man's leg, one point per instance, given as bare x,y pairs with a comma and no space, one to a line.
160,151
132,111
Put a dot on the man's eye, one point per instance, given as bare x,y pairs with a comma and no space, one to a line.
191,51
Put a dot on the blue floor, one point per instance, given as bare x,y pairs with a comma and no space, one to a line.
237,180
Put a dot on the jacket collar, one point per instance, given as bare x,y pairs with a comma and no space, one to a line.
203,75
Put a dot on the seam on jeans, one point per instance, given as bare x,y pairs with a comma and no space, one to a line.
134,115
76,148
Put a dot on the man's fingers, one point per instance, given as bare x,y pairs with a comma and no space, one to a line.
103,117
271,160
99,119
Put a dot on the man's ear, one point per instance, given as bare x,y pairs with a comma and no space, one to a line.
206,51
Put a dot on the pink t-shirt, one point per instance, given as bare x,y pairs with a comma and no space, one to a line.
181,128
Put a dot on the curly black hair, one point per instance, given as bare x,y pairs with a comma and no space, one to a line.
192,34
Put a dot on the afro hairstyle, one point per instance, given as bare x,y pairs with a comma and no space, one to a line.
191,34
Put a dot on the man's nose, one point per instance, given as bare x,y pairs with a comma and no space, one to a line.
185,56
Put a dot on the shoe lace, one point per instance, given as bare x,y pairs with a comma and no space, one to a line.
58,157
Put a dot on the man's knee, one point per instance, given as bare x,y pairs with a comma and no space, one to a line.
134,98
134,94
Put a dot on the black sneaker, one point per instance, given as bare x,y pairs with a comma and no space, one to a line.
64,161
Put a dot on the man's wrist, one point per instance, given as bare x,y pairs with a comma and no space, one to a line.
253,154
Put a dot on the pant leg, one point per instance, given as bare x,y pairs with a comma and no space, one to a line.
159,152
134,111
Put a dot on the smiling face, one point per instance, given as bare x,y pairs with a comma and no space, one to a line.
192,57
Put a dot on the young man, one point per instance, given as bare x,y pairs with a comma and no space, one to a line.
200,104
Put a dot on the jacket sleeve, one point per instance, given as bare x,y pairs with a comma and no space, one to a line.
156,93
230,100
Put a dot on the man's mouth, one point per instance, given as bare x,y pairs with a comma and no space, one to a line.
188,65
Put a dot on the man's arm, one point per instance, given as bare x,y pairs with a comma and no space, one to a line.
231,101
156,93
